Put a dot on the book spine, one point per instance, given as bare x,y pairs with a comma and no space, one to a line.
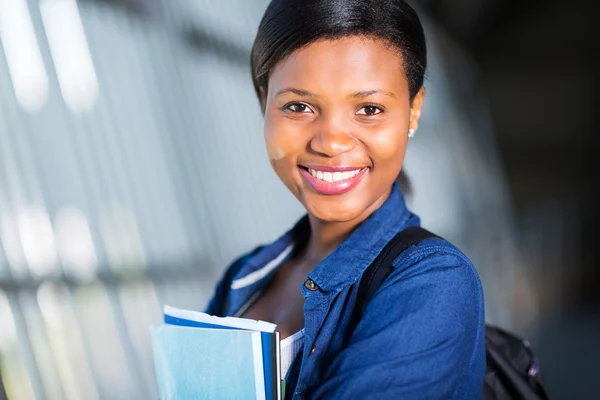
280,395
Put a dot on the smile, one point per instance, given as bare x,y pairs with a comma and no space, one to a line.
336,176
332,181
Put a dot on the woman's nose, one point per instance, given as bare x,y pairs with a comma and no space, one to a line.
333,137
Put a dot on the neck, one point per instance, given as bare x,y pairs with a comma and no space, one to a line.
326,236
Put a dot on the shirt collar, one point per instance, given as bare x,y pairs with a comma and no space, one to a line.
268,258
348,262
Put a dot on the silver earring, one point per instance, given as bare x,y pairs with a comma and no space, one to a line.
411,132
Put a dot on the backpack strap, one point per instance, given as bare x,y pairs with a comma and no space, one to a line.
381,267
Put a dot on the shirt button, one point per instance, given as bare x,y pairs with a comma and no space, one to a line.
314,347
311,285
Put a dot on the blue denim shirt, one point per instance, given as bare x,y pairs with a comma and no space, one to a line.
420,337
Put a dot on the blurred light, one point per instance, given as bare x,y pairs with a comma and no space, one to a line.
71,55
98,324
41,347
37,239
48,296
12,246
66,343
23,56
141,309
74,244
14,373
122,242
8,330
12,193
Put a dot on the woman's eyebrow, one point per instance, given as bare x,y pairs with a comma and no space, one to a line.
367,93
299,92
361,94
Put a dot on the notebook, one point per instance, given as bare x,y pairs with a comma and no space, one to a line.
201,356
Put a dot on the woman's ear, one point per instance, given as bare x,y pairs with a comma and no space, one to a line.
415,109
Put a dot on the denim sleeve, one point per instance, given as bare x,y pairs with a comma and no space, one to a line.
218,303
420,337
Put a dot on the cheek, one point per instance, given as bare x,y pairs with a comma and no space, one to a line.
388,145
275,150
282,141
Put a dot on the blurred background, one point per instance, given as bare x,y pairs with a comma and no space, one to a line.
133,171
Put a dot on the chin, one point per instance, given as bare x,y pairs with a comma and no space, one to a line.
333,209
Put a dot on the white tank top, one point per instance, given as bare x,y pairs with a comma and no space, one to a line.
289,348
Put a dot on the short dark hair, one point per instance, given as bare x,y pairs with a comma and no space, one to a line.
289,25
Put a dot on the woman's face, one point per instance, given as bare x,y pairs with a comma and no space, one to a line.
337,115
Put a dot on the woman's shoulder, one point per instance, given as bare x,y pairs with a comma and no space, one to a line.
245,257
218,303
237,264
433,252
436,262
435,285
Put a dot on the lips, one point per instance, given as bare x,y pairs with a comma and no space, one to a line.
333,180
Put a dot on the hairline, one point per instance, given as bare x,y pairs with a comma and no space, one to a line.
367,36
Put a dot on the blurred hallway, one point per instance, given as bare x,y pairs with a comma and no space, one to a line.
128,126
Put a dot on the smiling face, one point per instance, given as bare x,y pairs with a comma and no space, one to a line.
337,116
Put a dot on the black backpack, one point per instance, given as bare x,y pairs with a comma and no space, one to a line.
512,371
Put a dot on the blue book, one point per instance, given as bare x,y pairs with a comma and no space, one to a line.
200,356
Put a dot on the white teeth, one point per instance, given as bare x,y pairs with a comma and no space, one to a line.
333,177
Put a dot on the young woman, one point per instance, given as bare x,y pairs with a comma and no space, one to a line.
341,87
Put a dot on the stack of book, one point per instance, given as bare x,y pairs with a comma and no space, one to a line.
200,356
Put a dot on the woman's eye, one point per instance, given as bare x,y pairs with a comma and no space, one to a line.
369,110
298,108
